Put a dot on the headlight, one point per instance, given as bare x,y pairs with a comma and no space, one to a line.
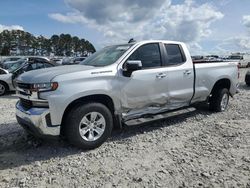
51,86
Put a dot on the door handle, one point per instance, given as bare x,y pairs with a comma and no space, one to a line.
187,72
161,75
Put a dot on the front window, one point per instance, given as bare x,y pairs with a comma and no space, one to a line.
148,54
106,56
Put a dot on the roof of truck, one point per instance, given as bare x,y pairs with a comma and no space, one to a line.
163,41
150,41
154,41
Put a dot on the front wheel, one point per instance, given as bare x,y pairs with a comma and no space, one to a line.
219,100
88,125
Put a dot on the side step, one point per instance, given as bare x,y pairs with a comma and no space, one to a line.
149,118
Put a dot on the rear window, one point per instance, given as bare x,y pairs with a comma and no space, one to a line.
175,54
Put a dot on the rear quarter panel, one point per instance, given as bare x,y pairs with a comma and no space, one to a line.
207,74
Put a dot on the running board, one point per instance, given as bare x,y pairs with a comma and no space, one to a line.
154,117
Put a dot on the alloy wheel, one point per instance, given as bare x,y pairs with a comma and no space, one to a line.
92,126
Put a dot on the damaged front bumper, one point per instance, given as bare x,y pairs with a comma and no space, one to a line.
36,121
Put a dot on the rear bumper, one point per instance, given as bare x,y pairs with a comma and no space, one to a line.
36,121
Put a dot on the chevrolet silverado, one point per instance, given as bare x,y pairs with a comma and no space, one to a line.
119,83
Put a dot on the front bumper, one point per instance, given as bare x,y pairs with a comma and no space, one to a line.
36,121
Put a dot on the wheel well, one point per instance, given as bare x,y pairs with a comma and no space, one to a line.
100,98
223,83
7,86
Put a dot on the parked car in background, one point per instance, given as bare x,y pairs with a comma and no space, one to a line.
3,71
8,76
72,60
117,84
6,65
9,59
197,57
244,60
247,78
78,60
66,61
57,60
212,57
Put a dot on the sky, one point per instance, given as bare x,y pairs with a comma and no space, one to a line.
207,27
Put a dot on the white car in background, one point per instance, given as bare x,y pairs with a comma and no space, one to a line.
8,64
14,69
3,71
57,60
72,60
10,59
244,60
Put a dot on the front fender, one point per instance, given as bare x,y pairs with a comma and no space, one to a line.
58,104
69,91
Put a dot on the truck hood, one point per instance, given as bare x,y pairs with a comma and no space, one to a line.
46,75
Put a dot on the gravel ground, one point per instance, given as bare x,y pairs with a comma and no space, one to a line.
195,148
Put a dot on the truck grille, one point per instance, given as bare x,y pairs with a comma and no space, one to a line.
24,86
26,104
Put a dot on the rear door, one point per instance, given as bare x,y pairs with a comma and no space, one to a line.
180,76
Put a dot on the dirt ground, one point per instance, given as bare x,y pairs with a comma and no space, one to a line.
194,148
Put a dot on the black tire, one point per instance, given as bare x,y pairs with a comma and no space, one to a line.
247,79
215,103
71,126
3,86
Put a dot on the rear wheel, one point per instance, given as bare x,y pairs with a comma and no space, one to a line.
87,126
219,100
3,88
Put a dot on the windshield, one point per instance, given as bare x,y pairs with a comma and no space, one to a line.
11,67
106,56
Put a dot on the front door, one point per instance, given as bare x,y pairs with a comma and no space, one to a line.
145,91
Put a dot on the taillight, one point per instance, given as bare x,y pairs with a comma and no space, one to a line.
238,66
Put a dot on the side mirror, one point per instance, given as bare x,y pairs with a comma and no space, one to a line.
133,65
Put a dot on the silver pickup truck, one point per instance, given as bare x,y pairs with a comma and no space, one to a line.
119,83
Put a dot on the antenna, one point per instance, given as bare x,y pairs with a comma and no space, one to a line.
131,40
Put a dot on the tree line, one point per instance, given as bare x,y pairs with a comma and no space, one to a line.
17,42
